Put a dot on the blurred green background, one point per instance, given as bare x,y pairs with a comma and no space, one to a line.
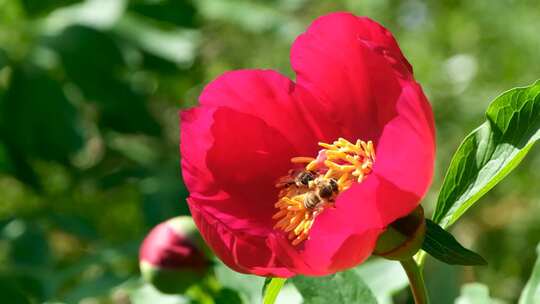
89,95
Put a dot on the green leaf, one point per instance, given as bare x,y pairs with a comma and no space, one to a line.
271,289
442,245
531,292
383,277
476,293
140,293
247,285
341,288
33,7
490,152
179,13
10,291
4,60
99,79
37,118
176,45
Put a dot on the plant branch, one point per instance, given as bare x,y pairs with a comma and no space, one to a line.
416,281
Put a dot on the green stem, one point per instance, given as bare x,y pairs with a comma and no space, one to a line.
272,290
416,281
420,258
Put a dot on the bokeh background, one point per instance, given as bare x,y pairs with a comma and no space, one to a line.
89,95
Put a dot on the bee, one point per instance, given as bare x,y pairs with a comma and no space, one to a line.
323,191
312,200
303,178
327,188
300,179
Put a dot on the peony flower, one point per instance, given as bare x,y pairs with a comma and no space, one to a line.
171,256
301,177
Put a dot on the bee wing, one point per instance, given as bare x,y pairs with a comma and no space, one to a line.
284,181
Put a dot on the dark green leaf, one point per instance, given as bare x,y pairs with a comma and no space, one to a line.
94,62
9,290
531,292
29,246
227,295
178,12
5,161
442,245
341,288
3,59
33,7
492,151
37,119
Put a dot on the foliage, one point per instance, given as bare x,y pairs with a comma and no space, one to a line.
531,292
444,247
340,288
89,94
492,151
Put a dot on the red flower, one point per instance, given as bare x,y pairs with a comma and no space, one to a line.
266,196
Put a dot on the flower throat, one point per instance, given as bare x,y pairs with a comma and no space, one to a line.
312,187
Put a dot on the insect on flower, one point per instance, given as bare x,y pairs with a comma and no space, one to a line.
302,177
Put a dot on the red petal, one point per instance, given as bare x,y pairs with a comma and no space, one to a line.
230,163
406,151
365,86
240,250
344,236
269,96
341,61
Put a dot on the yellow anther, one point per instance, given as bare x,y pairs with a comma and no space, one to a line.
343,162
327,146
302,160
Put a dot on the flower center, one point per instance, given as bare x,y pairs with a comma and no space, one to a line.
314,184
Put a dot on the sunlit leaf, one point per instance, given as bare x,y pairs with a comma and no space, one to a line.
345,287
531,292
141,293
383,277
249,286
98,14
250,15
492,151
476,293
175,45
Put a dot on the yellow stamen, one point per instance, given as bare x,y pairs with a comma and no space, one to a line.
342,161
302,160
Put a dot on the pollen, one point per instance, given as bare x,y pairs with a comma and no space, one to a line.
314,183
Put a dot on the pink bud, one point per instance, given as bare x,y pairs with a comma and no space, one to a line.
171,257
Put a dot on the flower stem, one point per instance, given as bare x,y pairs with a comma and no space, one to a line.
416,281
272,290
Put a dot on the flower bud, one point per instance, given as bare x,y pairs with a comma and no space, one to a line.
171,256
403,238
